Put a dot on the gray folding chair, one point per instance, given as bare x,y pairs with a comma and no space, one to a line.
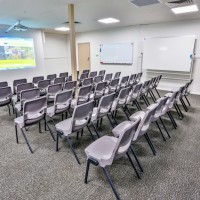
3,84
157,81
34,112
123,82
64,74
93,74
25,95
71,85
132,80
102,72
113,86
61,105
59,80
83,96
6,97
37,79
51,77
81,118
108,78
97,79
106,149
82,77
87,82
19,88
52,91
103,109
138,77
144,91
120,102
43,85
117,75
99,90
17,82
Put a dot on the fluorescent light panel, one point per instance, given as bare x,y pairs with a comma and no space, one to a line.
62,29
108,20
185,9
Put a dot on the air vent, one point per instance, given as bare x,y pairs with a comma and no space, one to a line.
141,3
74,22
177,3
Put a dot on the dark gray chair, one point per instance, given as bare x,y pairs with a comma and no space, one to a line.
117,75
86,71
87,81
132,80
71,85
97,79
43,85
93,74
82,77
17,82
52,91
113,86
64,74
102,72
59,80
123,82
106,149
51,77
99,90
138,78
37,79
108,78
6,97
69,78
34,111
81,118
3,84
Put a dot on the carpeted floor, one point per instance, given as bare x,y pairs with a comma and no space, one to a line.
173,174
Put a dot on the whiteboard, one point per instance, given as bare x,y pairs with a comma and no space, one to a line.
116,53
169,53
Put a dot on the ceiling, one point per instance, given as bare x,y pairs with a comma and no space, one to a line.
49,14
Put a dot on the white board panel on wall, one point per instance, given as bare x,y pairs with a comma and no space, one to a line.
168,53
116,53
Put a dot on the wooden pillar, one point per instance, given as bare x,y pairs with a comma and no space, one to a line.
72,41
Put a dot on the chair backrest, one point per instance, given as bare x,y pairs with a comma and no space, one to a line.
117,75
132,79
23,86
98,79
37,79
62,101
113,85
145,86
17,82
5,93
152,82
59,80
87,81
108,77
84,94
124,133
145,122
3,84
64,74
124,80
29,94
100,87
44,84
188,87
54,89
161,103
83,76
69,78
138,78
51,77
34,110
102,72
82,115
157,81
86,71
69,85
105,104
93,74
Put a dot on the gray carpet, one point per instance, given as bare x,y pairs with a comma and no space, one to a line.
174,173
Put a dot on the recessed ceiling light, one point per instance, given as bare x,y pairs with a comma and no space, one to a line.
185,9
62,29
108,20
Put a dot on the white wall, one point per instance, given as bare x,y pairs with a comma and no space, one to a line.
50,53
136,34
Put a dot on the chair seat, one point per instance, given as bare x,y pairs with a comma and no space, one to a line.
95,114
4,101
18,106
19,121
102,150
51,111
65,126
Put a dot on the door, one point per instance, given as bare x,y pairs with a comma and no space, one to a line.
83,56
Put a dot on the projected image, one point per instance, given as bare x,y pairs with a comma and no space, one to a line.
16,53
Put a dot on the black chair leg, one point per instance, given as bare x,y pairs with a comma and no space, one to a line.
91,133
95,129
138,162
49,130
183,104
152,96
160,131
24,134
16,134
171,120
150,144
110,121
114,118
179,110
157,92
164,127
57,140
73,151
179,114
40,131
125,113
187,100
9,109
128,109
110,182
87,171
138,105
133,165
